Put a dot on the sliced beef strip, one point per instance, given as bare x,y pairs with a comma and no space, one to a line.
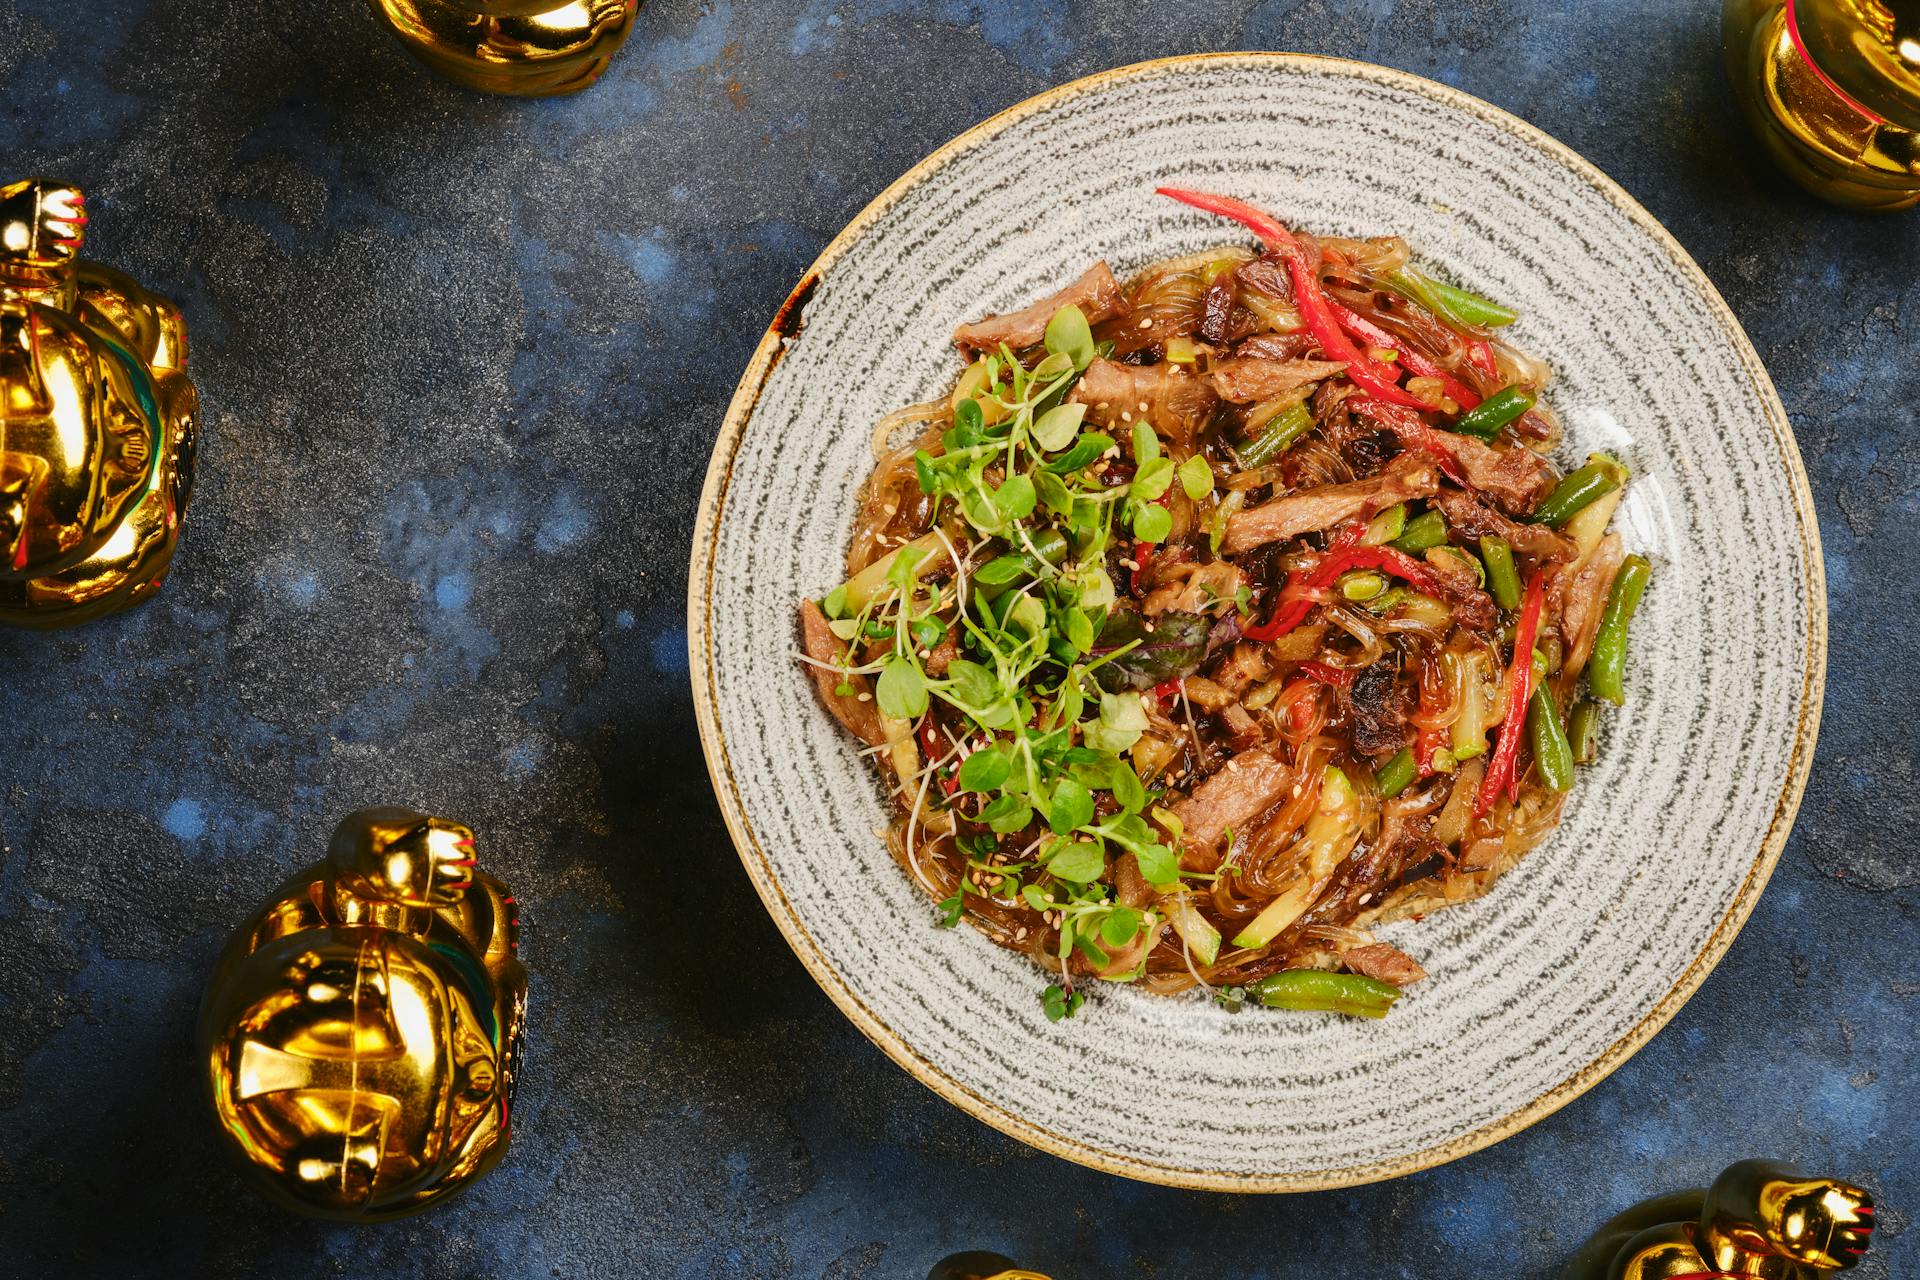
1173,401
1277,346
1515,478
1245,379
1096,293
861,719
1468,516
1243,789
1472,607
1407,477
1385,962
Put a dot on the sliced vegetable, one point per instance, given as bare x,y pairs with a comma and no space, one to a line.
1469,732
1278,436
1503,580
1500,774
1602,475
1583,731
1202,939
1493,414
1386,526
1552,756
1316,990
1396,775
1366,331
1606,672
1428,529
1327,837
1450,302
1391,559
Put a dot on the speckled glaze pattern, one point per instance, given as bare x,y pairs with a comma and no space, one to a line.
1580,954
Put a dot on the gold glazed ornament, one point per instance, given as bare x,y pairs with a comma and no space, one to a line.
533,48
96,420
361,1031
980,1266
1760,1219
1833,89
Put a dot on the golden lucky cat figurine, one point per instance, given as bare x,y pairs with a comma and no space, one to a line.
361,1031
1760,1219
96,420
534,48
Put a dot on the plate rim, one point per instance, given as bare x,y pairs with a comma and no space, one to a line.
753,857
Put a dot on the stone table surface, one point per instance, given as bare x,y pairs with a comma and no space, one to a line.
462,360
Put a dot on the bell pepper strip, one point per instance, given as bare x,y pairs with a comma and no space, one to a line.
1500,772
1166,689
1338,677
1142,557
1414,434
1372,334
1316,311
1343,559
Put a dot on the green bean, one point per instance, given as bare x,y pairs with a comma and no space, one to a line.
1606,674
1503,580
1451,302
1428,529
1551,754
1486,419
1601,476
1583,731
1347,993
1277,437
1386,526
1396,775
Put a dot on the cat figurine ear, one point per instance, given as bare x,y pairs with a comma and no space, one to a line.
532,48
1759,1218
362,1030
96,420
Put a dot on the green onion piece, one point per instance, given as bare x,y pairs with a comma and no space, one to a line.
1313,989
1364,585
1583,731
1503,580
1279,435
1387,601
1607,672
1451,302
1428,529
1396,775
1386,526
1486,419
1601,476
1551,754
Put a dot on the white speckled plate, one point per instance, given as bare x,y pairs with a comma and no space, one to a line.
1578,956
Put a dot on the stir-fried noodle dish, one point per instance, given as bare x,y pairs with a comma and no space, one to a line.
1221,615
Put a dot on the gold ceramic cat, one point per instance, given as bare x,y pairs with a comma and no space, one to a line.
1760,1219
529,47
96,420
1833,89
361,1031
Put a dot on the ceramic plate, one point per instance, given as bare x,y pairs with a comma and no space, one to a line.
1580,954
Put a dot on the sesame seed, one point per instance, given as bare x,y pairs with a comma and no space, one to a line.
1144,406
1146,322
1364,898
1126,417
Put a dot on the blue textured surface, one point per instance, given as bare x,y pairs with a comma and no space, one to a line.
462,361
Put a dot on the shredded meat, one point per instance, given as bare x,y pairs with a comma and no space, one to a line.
1385,962
1324,506
1194,589
1516,478
1244,379
1472,518
1096,293
1245,787
1173,401
1472,607
1584,599
862,719
1277,346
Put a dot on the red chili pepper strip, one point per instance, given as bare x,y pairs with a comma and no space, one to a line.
1142,557
1391,559
1367,331
1298,698
1338,677
1480,356
1308,296
1167,688
1500,773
